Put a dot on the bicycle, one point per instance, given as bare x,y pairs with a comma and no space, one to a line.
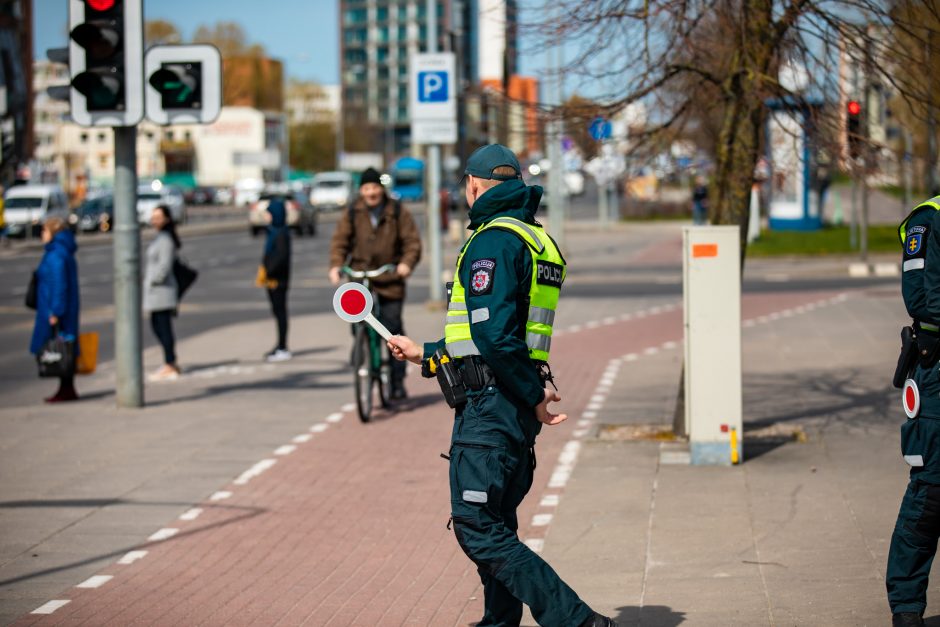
370,360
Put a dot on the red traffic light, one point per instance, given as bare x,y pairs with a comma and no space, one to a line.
101,5
854,108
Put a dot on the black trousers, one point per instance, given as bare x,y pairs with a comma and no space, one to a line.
278,298
162,324
390,316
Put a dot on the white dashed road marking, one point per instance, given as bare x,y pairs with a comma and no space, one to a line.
191,514
163,534
254,471
287,449
50,607
131,557
221,495
303,437
95,582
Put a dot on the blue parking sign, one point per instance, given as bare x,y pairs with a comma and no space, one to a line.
432,86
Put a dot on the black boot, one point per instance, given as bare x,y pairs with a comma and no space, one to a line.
599,620
907,619
398,391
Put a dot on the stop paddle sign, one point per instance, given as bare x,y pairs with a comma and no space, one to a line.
353,303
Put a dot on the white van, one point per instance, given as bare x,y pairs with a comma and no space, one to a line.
26,206
331,190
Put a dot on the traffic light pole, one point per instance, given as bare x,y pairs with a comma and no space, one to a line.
127,332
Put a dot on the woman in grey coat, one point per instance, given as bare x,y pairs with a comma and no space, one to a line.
160,290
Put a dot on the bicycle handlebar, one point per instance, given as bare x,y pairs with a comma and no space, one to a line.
368,274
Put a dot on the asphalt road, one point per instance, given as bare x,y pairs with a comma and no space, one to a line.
225,292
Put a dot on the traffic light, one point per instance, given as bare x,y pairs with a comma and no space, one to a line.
184,84
106,62
179,84
853,129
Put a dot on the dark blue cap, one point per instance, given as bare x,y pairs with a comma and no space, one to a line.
487,158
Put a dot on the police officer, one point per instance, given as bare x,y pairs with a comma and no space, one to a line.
498,332
914,541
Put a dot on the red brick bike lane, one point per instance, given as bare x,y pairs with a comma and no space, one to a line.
349,528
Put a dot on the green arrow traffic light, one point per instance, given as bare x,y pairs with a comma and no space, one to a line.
179,84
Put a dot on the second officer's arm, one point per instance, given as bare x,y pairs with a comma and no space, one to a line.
920,277
497,269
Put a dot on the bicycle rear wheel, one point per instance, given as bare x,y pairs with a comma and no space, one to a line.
362,373
382,369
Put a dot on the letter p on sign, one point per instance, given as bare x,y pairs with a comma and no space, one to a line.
432,86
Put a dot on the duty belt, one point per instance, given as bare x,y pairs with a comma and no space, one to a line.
475,372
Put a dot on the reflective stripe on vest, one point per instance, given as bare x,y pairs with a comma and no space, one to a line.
543,298
933,203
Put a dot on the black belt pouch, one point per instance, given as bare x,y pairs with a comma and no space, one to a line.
907,358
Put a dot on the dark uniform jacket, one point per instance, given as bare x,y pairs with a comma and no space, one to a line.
501,338
395,239
920,288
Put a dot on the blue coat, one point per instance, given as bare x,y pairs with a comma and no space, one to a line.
56,290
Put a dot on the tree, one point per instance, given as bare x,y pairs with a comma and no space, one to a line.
229,38
158,32
313,146
719,61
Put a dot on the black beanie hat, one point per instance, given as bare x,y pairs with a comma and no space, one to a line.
370,175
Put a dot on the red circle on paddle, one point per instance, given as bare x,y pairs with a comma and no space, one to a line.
353,302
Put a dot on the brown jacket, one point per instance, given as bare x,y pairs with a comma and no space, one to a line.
363,247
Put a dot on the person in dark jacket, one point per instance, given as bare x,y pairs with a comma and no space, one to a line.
377,231
161,296
57,299
276,262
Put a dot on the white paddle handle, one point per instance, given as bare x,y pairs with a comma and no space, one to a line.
379,327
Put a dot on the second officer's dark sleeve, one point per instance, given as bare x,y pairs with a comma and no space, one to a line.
498,312
920,276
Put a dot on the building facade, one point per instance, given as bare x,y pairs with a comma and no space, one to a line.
311,103
16,86
378,39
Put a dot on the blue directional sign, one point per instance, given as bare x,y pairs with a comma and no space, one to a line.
600,129
432,86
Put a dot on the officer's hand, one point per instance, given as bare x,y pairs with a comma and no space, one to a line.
334,276
403,270
545,416
403,347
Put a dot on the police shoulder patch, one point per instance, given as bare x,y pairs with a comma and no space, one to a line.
915,244
481,276
548,273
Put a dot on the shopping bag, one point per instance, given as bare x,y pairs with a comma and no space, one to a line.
87,359
30,299
56,358
262,280
185,276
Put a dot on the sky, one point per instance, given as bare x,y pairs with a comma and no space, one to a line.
304,34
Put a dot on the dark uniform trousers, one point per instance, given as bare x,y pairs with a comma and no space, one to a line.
914,541
390,316
491,467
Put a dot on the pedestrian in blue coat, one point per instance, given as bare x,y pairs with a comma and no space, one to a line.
57,300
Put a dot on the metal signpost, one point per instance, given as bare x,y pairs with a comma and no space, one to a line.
433,121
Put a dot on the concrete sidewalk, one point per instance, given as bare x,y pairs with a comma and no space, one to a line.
314,518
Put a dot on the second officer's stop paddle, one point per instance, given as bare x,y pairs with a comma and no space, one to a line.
353,303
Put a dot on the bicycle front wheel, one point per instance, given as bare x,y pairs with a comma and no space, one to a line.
362,373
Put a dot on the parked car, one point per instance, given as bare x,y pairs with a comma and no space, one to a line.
301,215
149,196
96,214
247,191
200,196
223,196
331,191
26,206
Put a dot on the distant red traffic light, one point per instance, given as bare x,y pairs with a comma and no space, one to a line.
101,5
854,108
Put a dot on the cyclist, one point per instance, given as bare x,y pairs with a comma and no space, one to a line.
374,231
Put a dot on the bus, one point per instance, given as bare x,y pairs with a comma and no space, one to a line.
408,179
